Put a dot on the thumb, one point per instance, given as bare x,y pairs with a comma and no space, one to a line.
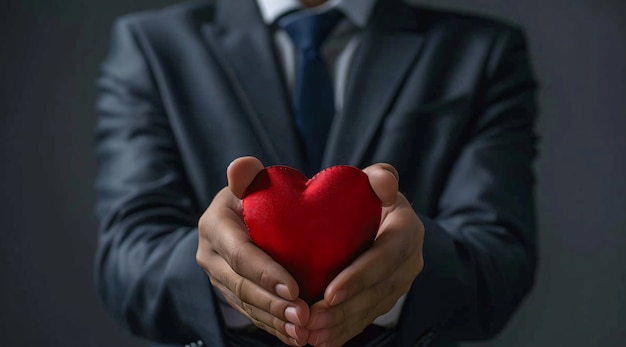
384,181
241,172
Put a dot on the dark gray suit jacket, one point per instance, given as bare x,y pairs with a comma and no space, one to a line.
448,99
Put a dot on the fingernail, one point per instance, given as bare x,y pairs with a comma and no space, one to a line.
339,297
291,330
292,315
283,291
294,342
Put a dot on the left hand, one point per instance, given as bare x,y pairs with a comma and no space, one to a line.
372,284
250,281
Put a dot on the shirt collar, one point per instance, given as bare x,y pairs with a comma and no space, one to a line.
358,11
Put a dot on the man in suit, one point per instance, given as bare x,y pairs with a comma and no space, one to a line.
448,100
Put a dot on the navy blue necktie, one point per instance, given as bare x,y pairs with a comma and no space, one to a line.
313,97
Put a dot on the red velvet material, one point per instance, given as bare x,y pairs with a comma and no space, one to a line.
314,228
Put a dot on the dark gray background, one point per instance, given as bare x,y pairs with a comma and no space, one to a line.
49,58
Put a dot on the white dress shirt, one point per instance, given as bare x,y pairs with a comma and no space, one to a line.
338,50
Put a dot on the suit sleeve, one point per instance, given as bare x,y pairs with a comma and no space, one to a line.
146,273
480,248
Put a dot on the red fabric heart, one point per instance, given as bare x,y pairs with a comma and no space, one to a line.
314,228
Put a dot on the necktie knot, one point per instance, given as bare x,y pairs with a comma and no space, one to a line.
308,30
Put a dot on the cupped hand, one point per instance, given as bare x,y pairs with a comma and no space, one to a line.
248,278
372,284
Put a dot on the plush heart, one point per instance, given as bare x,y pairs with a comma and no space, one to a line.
314,228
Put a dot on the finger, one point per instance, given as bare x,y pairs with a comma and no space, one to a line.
333,326
227,236
241,172
384,181
287,332
246,293
267,311
373,266
364,307
264,309
246,259
399,238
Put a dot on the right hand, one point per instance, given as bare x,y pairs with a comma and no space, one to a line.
249,279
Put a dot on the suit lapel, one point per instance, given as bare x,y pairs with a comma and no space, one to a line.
389,47
243,45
